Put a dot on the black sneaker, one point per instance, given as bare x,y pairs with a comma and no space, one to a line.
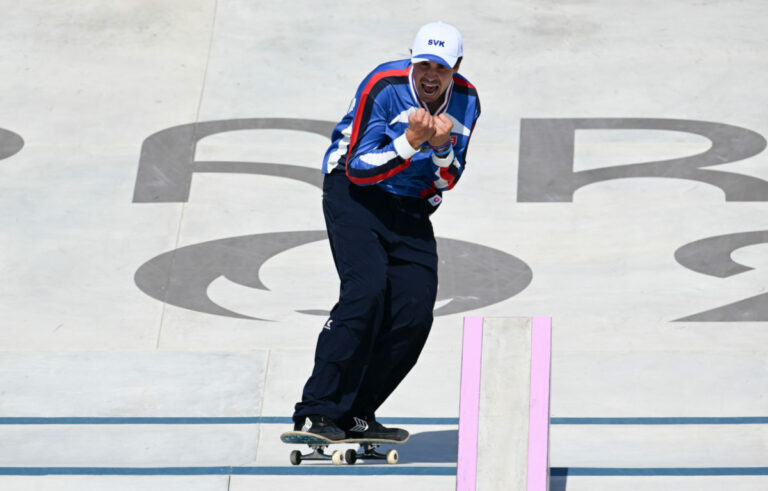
370,429
321,426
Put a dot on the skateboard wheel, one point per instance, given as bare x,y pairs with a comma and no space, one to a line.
351,456
392,457
337,458
295,457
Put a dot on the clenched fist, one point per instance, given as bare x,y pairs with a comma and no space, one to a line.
443,127
421,127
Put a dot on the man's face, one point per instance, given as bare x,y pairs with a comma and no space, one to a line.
432,79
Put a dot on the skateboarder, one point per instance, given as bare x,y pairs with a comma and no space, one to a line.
401,144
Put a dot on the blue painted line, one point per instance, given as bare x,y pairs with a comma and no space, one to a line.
661,421
658,471
370,470
198,421
390,421
131,421
306,470
347,470
272,420
115,471
419,421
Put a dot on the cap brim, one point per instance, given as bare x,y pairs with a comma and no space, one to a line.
430,57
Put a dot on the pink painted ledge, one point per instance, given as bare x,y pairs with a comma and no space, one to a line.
538,414
469,404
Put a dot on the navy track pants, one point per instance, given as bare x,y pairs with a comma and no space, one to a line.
385,253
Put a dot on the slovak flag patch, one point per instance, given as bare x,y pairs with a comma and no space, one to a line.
435,200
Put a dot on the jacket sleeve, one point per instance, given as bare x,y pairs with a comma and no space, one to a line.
374,156
448,170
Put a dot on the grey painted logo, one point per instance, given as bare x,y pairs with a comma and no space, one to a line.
547,156
167,160
546,174
471,276
181,277
10,143
712,256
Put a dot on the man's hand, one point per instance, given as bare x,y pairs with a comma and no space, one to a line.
421,127
443,127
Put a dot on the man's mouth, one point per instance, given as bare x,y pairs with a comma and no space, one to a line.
429,89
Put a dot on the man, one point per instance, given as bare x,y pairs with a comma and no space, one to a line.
401,144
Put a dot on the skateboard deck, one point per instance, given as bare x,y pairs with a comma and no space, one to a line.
319,444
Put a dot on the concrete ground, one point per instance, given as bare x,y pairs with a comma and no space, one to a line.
165,271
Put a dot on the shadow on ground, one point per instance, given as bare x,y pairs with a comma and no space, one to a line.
431,447
443,447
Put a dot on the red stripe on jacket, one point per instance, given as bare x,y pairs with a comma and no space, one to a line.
358,122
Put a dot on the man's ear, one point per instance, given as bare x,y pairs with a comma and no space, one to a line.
457,65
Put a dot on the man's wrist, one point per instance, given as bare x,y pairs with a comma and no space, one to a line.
443,150
445,160
403,147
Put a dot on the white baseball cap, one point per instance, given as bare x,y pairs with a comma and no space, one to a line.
437,41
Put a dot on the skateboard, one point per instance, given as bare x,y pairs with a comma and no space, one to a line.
319,445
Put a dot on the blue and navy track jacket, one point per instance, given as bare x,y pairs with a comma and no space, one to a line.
370,144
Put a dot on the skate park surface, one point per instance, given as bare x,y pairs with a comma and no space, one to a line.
166,272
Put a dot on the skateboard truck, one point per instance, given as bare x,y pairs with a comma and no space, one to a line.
368,451
318,453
